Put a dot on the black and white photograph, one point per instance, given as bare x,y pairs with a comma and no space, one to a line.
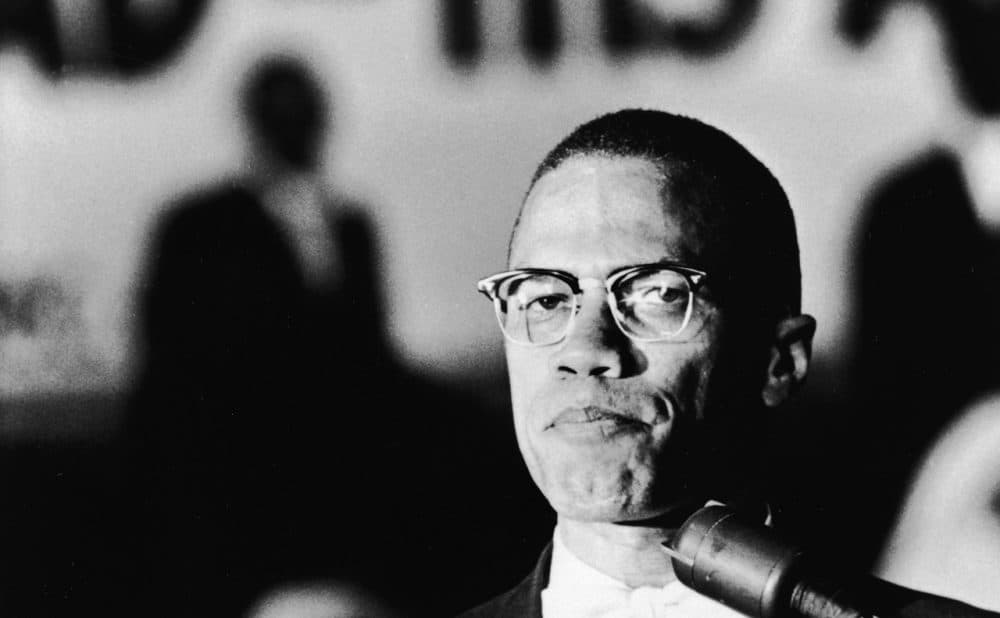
500,308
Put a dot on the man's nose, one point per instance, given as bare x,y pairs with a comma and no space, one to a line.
594,346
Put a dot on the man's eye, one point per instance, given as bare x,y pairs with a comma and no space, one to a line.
658,294
544,305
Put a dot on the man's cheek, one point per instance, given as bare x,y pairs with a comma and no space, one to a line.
526,380
520,402
685,377
521,367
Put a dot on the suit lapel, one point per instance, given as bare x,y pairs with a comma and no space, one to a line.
529,592
522,601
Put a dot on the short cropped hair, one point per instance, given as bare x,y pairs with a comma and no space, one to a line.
729,198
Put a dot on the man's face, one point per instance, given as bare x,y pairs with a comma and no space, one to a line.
600,418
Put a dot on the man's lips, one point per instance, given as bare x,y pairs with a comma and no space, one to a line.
593,414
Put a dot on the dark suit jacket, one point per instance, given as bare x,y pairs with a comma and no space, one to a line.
890,600
249,402
525,599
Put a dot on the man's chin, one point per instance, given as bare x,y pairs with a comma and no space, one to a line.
616,497
658,516
590,514
595,508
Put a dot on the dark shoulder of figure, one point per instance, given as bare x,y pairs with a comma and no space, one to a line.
200,219
204,206
901,185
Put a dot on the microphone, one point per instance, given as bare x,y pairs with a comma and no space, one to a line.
749,568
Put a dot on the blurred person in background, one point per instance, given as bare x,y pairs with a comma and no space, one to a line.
946,538
929,335
265,349
322,599
277,438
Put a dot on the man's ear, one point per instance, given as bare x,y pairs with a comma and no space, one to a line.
788,363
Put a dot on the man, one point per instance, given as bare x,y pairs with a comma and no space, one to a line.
255,287
651,313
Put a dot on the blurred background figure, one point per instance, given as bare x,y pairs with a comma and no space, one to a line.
320,600
276,436
265,354
928,282
946,538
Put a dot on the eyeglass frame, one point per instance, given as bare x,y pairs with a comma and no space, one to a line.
694,276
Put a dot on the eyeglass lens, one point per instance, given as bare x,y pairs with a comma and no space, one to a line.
538,308
535,308
653,304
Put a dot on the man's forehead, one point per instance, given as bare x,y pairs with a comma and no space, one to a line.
596,196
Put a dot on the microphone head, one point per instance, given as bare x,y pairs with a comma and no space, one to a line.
743,565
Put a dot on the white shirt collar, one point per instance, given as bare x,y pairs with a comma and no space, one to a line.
578,590
568,570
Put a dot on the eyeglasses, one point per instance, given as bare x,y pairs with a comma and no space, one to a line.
651,302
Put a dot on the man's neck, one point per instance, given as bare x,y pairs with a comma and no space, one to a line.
631,554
